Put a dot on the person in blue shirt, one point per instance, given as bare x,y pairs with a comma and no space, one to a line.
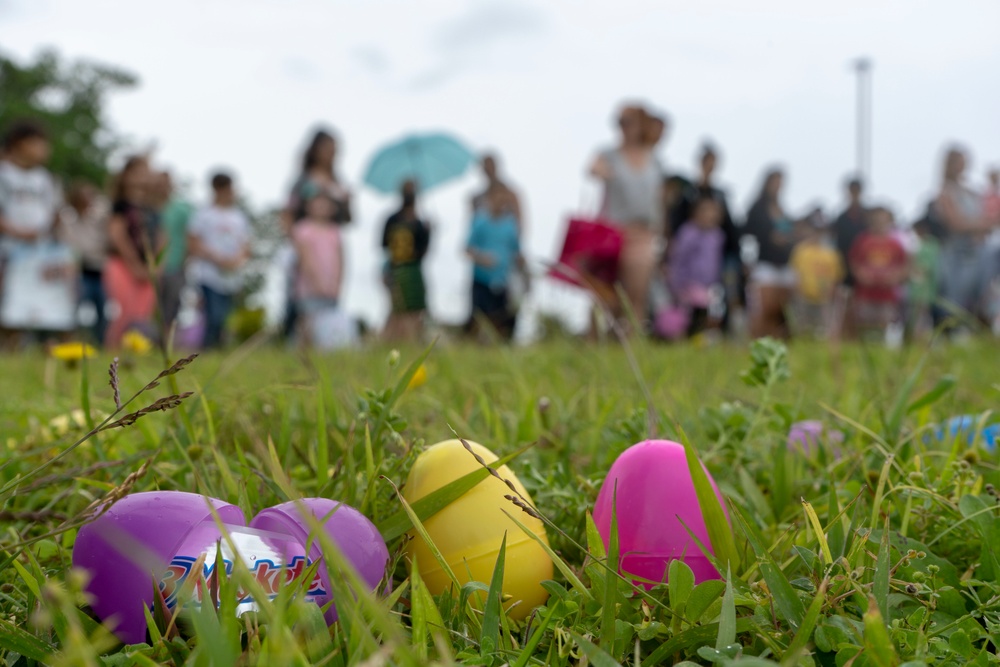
494,247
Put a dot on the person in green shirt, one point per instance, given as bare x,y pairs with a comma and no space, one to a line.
174,218
924,282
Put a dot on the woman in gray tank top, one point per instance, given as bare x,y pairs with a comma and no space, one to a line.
633,200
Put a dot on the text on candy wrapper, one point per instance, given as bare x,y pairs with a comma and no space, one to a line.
268,574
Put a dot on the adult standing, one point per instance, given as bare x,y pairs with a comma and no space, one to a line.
496,187
963,256
133,234
705,188
850,224
406,239
633,199
772,279
318,175
83,225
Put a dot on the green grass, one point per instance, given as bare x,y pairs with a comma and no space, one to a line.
882,552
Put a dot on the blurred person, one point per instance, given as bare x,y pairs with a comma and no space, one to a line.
964,255
175,215
771,280
818,269
83,225
320,250
134,244
991,200
633,199
219,246
850,224
922,289
494,246
495,185
29,206
881,267
695,261
705,188
406,239
317,174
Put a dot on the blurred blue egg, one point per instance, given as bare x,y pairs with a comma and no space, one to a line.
967,425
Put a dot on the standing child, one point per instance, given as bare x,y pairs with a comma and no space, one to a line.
84,226
695,262
494,246
320,252
879,264
922,289
219,245
406,239
34,276
818,270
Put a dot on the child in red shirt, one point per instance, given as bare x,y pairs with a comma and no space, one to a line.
880,266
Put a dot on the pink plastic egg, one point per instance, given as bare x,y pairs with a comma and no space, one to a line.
655,501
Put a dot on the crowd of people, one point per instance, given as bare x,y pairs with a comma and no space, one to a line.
127,256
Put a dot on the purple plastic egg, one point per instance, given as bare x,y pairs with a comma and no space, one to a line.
162,536
131,545
356,537
807,435
655,500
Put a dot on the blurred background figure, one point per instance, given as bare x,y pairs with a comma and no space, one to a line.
818,269
963,252
923,288
680,207
494,185
879,263
317,174
772,280
320,251
29,206
632,180
494,246
83,225
175,214
405,240
219,242
134,243
695,260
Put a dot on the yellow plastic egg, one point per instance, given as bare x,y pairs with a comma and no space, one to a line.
468,532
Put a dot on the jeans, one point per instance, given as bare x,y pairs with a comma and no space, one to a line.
217,308
92,292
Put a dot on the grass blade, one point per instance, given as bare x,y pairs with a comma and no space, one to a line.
432,503
880,587
489,641
805,631
817,527
727,617
719,532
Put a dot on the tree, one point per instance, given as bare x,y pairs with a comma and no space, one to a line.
69,99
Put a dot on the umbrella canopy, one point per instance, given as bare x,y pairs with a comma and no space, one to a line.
428,159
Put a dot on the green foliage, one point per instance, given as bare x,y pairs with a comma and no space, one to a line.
69,99
882,549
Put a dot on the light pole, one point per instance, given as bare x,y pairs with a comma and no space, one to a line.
863,127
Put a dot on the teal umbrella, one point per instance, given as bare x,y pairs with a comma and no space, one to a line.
428,159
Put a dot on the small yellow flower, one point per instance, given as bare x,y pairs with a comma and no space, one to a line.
419,378
136,343
70,352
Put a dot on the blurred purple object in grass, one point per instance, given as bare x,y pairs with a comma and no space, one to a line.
806,436
672,322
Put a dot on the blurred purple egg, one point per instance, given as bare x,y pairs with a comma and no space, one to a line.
806,437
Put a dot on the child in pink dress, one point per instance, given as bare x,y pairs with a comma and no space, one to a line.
321,266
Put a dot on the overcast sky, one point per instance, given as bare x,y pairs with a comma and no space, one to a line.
239,83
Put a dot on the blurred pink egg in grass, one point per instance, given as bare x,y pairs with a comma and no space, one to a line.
807,436
650,485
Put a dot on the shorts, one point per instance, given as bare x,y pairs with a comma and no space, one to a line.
406,285
772,275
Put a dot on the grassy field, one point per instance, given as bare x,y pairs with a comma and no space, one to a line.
880,551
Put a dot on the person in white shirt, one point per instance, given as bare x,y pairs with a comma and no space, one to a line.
29,204
219,246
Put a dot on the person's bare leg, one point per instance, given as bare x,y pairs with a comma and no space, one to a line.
637,264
